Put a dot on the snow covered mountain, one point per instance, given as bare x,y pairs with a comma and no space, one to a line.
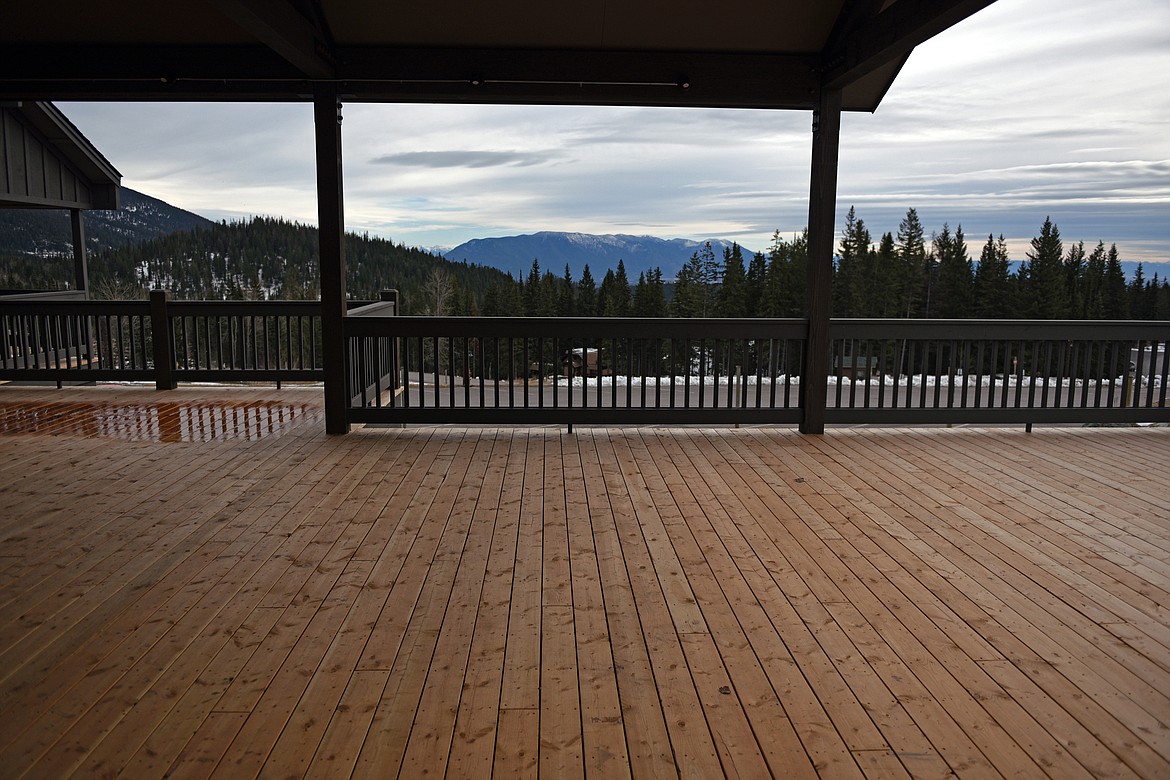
514,254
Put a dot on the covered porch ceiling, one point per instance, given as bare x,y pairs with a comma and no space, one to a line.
741,53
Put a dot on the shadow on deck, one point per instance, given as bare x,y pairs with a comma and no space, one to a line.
211,586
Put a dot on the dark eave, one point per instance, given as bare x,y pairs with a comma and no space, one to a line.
745,53
370,73
890,36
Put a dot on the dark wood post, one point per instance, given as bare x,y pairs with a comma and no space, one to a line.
331,235
80,259
390,296
822,206
394,348
162,343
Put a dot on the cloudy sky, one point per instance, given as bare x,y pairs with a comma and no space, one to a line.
1032,108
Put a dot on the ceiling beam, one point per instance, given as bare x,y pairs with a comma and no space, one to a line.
865,46
593,77
278,25
553,76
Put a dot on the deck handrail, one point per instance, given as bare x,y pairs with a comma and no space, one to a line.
513,370
516,370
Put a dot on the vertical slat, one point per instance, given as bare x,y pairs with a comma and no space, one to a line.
1165,371
980,364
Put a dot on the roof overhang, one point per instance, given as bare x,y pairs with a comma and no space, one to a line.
741,54
48,163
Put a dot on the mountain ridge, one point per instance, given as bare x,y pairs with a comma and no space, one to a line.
555,249
43,232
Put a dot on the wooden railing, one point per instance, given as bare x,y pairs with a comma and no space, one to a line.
209,341
886,372
997,371
611,371
246,341
76,341
584,370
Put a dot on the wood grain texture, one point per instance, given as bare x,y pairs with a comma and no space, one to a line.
619,602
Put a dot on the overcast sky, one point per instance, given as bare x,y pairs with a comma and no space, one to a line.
1031,108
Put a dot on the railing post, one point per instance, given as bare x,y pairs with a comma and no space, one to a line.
392,369
163,345
390,296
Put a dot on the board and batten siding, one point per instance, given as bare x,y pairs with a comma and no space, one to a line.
34,175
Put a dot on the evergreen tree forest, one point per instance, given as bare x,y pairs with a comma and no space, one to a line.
261,259
902,274
905,274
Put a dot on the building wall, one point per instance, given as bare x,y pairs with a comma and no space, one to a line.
31,173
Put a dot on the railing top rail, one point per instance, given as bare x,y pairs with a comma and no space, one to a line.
1072,330
375,309
577,327
74,307
243,308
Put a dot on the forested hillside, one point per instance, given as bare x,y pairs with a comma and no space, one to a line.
48,231
262,258
906,274
902,274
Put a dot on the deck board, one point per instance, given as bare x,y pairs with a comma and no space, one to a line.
188,592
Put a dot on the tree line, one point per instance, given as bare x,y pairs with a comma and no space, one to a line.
261,258
903,274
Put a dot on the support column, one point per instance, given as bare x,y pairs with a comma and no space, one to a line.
80,257
822,206
331,237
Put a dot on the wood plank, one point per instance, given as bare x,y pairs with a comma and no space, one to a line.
428,579
694,749
643,717
431,733
603,735
473,747
763,673
135,637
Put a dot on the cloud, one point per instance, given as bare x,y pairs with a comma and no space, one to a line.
1029,109
463,159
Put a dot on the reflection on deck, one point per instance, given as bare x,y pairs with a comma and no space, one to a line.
185,421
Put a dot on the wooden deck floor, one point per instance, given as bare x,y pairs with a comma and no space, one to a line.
206,584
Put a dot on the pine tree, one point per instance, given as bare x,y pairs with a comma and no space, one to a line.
757,273
913,276
532,290
548,295
491,301
1074,280
852,268
649,295
566,301
993,281
689,297
1137,295
586,294
956,281
1093,287
617,303
1116,301
613,295
784,286
885,278
732,295
1045,289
